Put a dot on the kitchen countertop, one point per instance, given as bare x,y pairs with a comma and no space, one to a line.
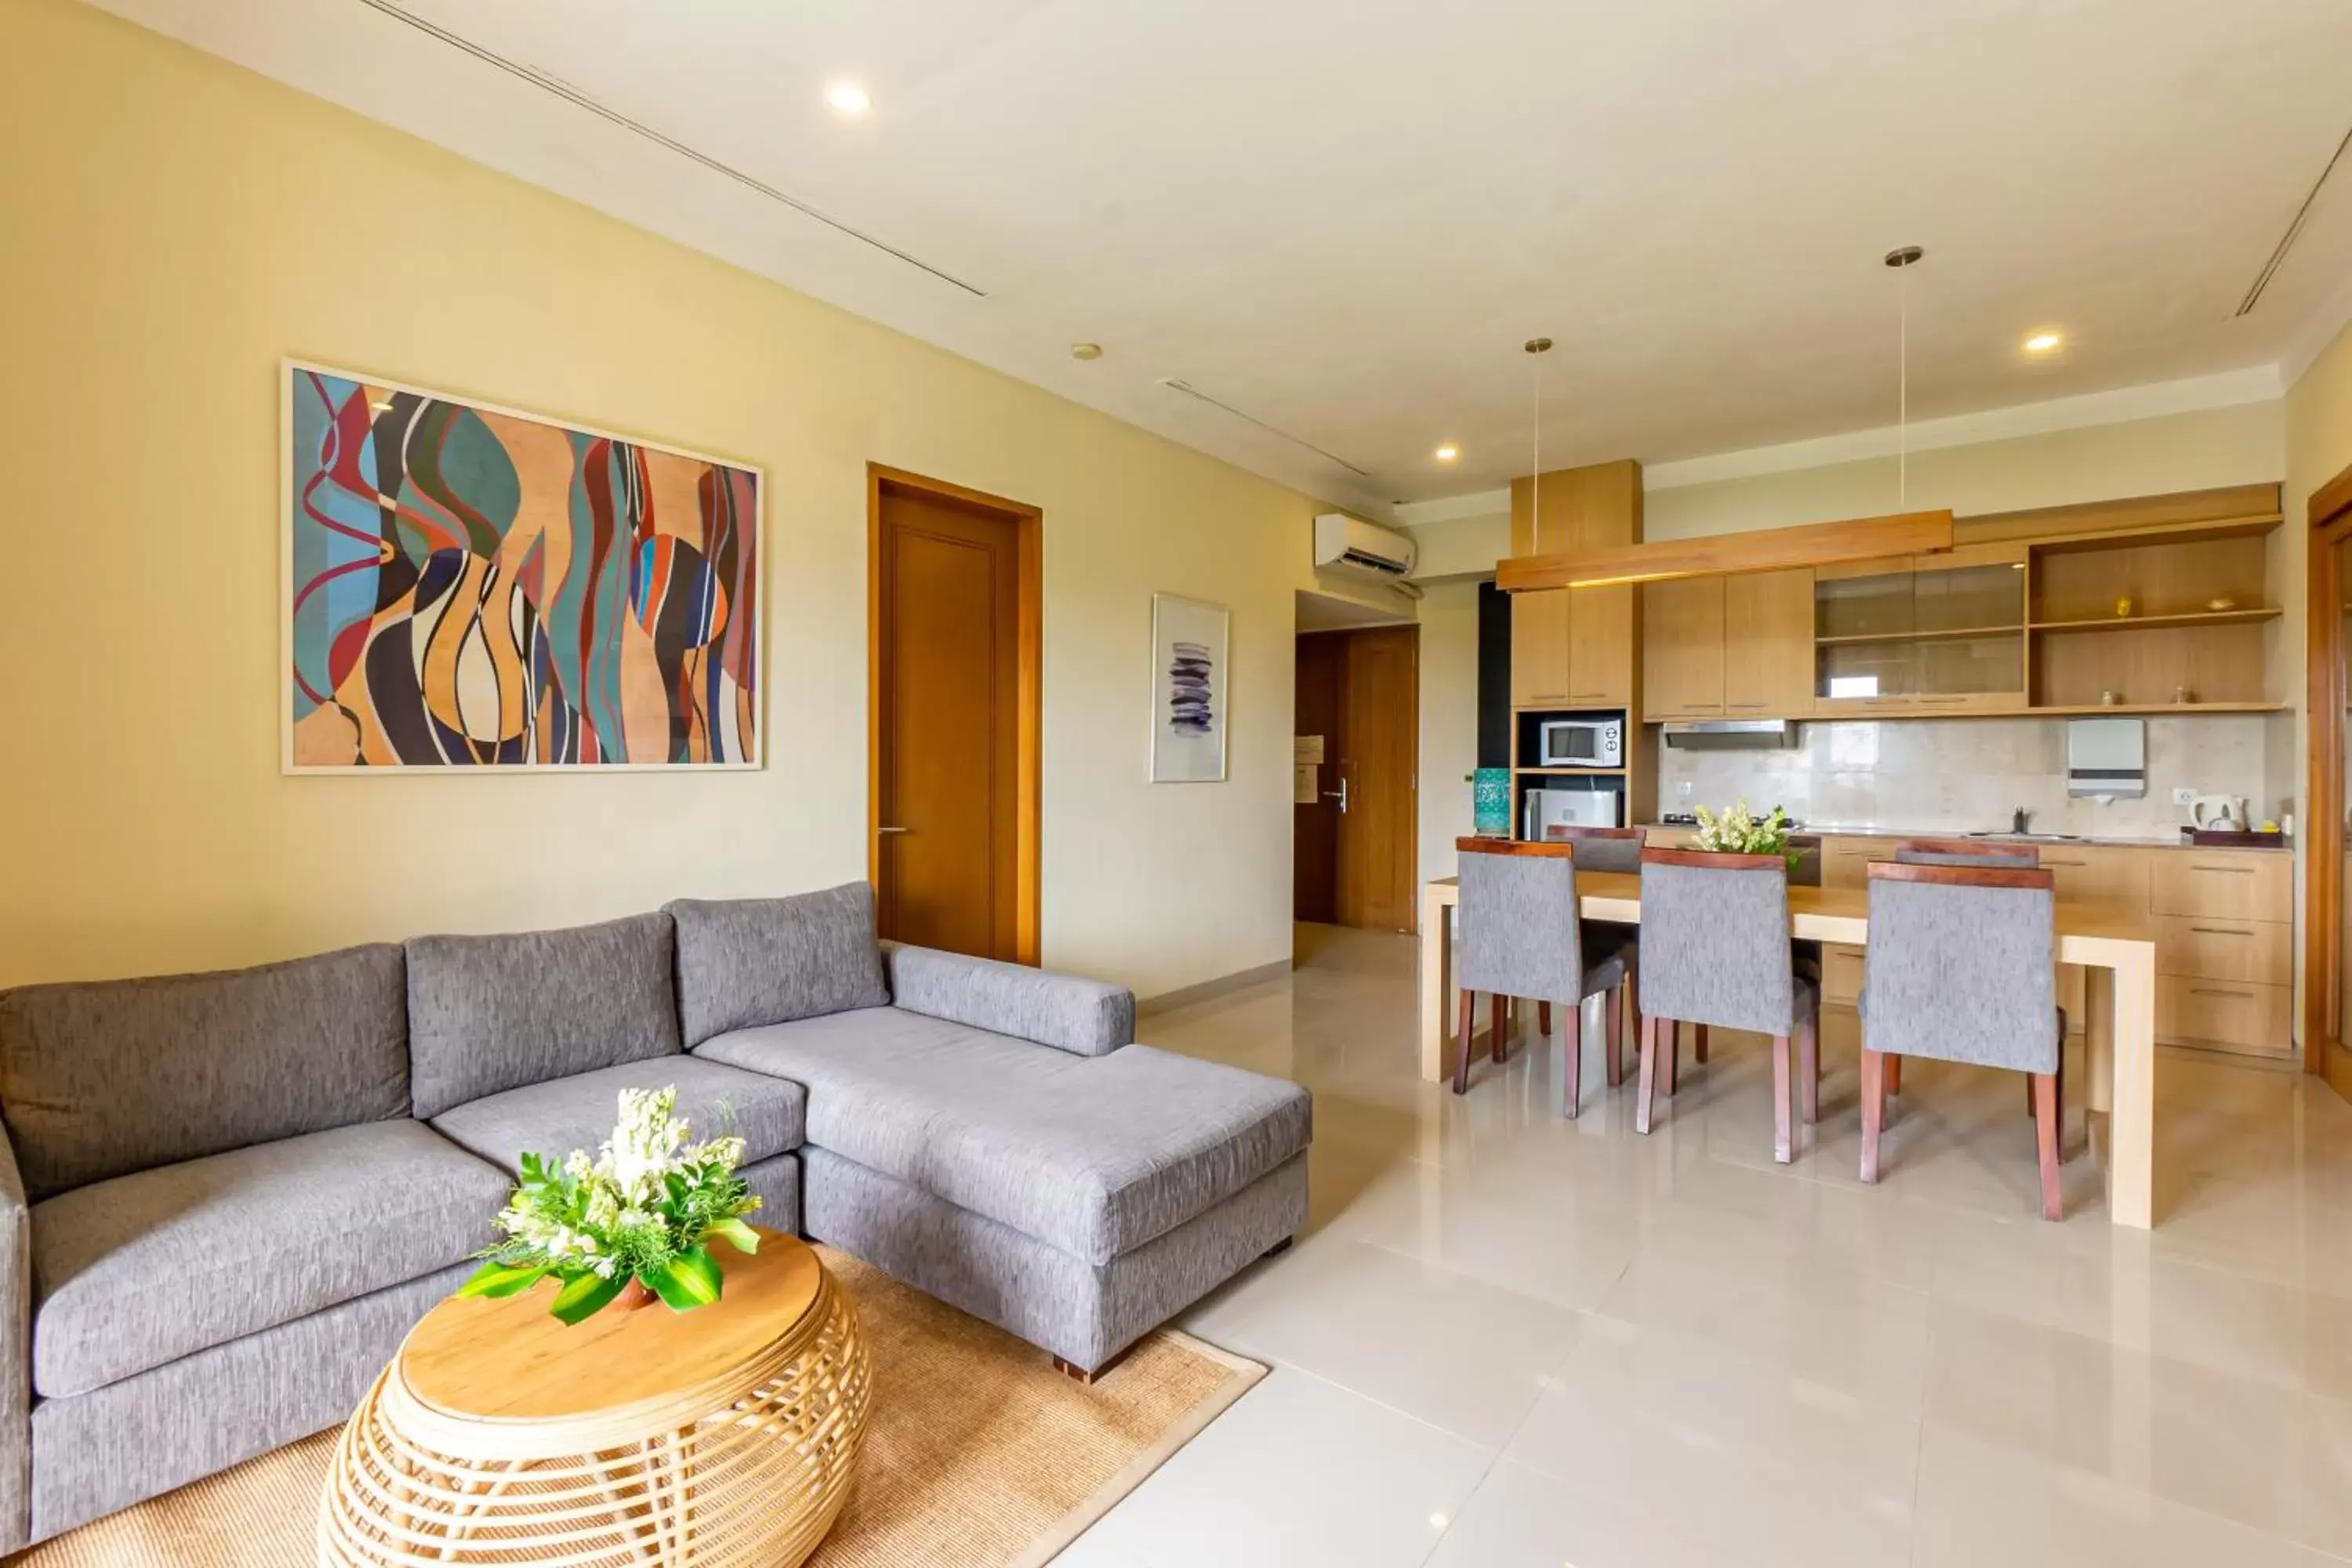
2119,841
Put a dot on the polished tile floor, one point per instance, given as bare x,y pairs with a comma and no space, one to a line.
1507,1339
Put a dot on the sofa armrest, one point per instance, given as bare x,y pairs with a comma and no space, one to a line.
15,1353
1085,1017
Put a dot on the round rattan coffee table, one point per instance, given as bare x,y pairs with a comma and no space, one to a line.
722,1436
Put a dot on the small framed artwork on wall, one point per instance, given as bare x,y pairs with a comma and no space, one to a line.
1189,642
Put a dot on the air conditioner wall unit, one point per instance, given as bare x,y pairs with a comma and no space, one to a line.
1341,541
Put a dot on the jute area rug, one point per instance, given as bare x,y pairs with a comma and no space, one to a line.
977,1452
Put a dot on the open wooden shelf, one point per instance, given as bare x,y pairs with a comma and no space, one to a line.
2146,709
2146,623
2166,534
1955,634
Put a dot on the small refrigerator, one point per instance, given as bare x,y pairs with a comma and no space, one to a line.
1593,805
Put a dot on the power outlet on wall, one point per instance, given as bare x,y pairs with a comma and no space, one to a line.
2184,795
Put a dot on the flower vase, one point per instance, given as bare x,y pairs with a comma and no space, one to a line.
633,1296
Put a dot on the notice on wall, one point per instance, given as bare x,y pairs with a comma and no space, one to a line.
1305,749
1302,785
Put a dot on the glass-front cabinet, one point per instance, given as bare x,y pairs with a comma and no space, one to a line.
1921,634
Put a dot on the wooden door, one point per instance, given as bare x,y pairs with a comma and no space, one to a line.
954,689
1601,645
1767,645
1682,649
1380,742
1539,648
1315,826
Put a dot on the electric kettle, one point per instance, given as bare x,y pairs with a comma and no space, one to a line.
2223,811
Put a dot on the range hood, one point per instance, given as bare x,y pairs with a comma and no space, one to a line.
1731,734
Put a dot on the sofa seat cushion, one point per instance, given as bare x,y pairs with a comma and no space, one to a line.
578,1113
131,1273
1095,1155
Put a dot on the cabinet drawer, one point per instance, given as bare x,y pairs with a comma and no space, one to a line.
1841,975
2092,874
2252,1018
2207,947
2246,885
1844,860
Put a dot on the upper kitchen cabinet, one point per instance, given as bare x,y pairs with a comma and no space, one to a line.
1683,648
1540,648
1600,647
1767,645
1572,647
1921,636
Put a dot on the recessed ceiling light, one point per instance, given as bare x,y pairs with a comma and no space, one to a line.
848,97
1085,350
1448,452
2043,342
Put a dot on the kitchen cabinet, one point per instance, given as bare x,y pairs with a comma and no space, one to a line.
1767,645
1683,632
1572,647
1539,648
1921,636
1600,647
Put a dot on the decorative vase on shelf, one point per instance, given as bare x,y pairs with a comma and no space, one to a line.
1490,801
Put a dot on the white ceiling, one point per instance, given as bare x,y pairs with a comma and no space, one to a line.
1343,217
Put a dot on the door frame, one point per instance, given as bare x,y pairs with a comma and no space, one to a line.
2330,517
1029,523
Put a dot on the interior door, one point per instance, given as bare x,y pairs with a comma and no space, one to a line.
1380,741
1314,824
947,689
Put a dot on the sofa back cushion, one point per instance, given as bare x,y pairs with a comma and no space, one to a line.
493,1012
748,961
101,1078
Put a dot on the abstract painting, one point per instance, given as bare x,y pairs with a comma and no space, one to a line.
471,587
1187,689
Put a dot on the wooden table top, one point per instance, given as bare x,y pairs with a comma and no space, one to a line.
510,1360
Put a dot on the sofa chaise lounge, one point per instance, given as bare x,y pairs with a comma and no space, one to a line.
226,1197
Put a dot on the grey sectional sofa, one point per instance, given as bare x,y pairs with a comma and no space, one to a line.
224,1198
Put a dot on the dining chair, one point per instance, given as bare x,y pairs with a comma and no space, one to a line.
1716,951
1520,934
1615,849
1962,968
1958,852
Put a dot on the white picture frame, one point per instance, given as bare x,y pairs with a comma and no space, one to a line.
1192,643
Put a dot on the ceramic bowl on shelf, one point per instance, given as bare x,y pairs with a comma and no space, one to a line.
2223,603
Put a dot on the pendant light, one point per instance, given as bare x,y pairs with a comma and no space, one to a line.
1903,260
1536,348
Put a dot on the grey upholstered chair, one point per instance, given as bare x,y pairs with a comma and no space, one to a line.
1715,938
1962,969
1521,935
1956,852
1613,849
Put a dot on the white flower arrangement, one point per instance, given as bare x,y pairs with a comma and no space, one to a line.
643,1209
1737,832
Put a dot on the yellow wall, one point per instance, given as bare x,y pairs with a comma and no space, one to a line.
173,224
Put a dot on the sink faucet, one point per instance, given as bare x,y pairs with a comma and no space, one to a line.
2018,820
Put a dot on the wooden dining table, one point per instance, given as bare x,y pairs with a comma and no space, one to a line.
2115,950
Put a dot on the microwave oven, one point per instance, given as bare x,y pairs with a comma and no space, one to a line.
1580,743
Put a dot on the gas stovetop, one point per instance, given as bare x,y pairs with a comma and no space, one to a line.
1685,819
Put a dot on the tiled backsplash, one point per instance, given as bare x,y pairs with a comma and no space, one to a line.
1959,774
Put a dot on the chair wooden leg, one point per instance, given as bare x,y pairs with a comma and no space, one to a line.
1874,1109
1809,1063
2045,1141
1894,1075
1462,1062
1649,1071
1572,1041
1672,1048
1543,1019
1700,1051
1499,1028
1780,1099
